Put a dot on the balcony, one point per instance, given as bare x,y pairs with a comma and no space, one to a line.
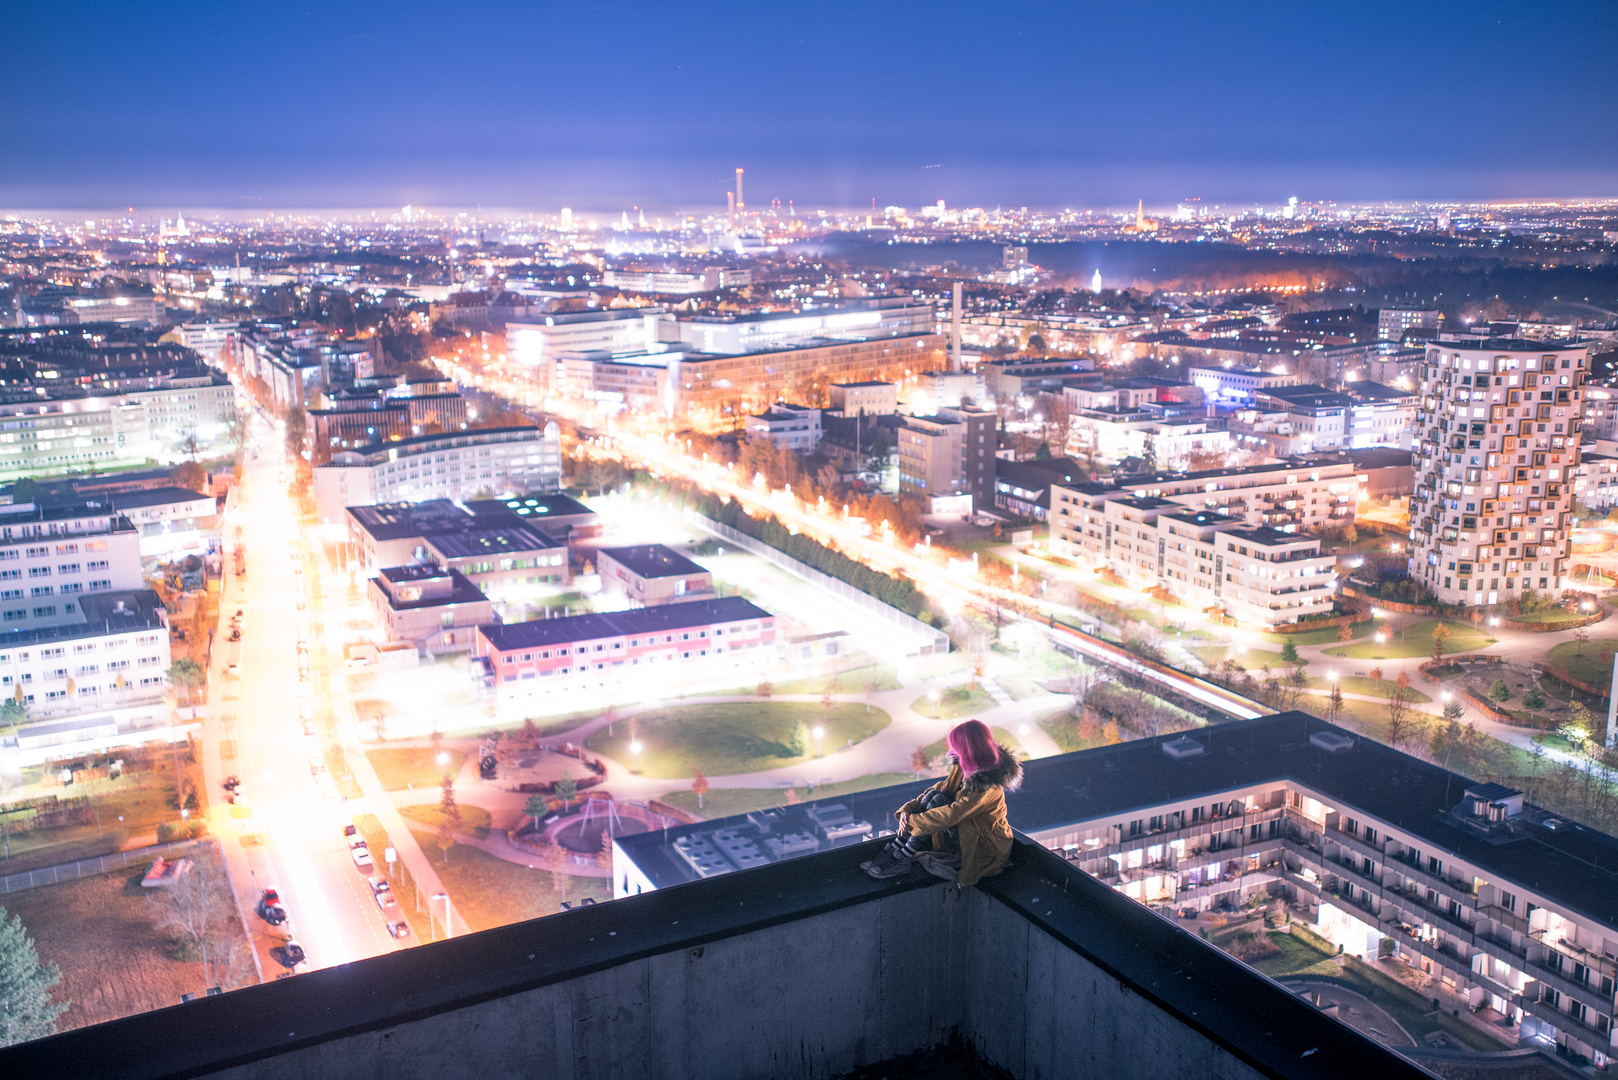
803,969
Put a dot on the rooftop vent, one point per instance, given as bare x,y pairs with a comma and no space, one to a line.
1181,748
1333,742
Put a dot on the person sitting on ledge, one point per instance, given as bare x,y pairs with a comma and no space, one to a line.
957,828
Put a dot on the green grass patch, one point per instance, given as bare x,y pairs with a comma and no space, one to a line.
1591,662
1299,956
1324,636
1417,640
1550,617
1360,684
1063,728
1410,1008
475,820
723,802
1251,659
413,766
489,891
733,737
954,703
873,678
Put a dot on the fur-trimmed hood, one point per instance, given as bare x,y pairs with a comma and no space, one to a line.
1005,773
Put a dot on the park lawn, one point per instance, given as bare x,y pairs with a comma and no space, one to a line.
872,678
1550,616
726,738
1359,684
488,891
475,820
1372,718
1591,662
723,802
1250,658
143,799
1417,640
954,703
1063,727
1298,957
413,766
1324,636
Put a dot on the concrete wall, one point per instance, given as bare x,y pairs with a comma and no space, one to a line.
852,986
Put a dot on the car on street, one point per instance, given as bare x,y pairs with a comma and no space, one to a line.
270,909
362,857
293,953
317,764
233,671
351,833
399,929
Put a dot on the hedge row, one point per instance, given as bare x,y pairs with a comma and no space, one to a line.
895,592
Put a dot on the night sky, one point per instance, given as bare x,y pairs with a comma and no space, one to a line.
243,106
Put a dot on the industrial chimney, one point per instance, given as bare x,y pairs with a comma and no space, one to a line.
955,341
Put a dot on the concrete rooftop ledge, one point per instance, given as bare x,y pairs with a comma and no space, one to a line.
804,968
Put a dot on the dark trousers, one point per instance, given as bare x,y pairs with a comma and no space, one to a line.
909,844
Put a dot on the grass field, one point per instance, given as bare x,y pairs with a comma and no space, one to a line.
106,933
413,766
1324,636
1251,659
1300,956
1063,727
1550,617
1591,662
1417,640
489,891
873,678
1359,684
954,703
732,737
475,820
142,799
723,802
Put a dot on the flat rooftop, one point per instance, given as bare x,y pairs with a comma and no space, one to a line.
652,561
664,618
512,540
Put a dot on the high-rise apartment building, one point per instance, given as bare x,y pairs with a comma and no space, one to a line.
1497,447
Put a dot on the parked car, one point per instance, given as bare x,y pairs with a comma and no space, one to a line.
317,765
362,857
293,952
233,671
351,833
270,909
399,929
231,783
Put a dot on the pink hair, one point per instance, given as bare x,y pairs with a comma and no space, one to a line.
972,746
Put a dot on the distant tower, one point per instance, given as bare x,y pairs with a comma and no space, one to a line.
1095,281
741,203
730,197
642,217
623,221
1140,215
567,218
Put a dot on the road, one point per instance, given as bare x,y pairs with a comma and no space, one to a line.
300,849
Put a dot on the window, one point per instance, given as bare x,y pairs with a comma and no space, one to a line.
45,612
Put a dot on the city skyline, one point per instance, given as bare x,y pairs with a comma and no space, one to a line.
633,105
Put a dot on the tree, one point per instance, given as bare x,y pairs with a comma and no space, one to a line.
26,1009
699,786
1440,633
1345,633
797,744
449,817
1399,726
1581,637
1498,692
536,807
1289,652
765,689
1453,711
1375,673
567,789
190,475
14,710
25,490
1533,699
1334,703
187,674
919,761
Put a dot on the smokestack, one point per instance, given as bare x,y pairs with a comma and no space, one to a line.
741,203
955,343
730,197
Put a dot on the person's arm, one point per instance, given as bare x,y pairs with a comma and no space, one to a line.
915,804
944,817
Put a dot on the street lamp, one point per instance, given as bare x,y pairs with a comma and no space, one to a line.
819,733
448,932
933,695
635,748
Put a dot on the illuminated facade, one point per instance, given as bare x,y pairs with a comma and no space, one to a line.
1497,459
